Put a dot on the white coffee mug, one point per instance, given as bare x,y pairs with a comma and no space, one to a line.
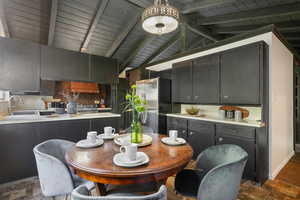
92,136
173,134
108,130
129,151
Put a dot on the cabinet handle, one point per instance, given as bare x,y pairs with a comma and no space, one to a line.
183,131
220,139
192,133
188,97
226,97
196,97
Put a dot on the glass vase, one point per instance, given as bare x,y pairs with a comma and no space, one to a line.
136,132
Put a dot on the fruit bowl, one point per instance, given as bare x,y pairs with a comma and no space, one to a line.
192,111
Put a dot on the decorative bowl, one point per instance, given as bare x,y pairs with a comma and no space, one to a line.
192,111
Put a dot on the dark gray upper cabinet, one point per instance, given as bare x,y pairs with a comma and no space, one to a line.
19,65
240,74
103,70
61,64
206,79
182,86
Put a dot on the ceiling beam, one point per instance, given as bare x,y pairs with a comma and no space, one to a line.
138,47
163,48
254,14
3,21
202,31
196,6
122,36
53,15
244,29
141,3
100,10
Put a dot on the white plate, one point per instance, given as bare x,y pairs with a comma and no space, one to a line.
169,141
108,137
140,157
118,158
87,144
125,140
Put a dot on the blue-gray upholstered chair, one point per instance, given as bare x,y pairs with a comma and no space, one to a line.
55,177
82,193
217,175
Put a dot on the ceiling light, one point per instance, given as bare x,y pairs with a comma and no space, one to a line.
161,18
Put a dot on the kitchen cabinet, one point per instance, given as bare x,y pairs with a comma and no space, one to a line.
16,145
47,88
182,86
240,74
61,64
206,79
19,65
103,70
201,135
99,124
243,137
73,130
179,124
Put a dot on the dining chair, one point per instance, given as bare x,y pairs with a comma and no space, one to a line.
82,193
217,175
55,177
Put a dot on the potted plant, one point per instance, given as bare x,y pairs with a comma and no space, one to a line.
136,106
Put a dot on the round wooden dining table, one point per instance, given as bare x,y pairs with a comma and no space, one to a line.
96,164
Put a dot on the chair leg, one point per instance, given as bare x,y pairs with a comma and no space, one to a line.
66,197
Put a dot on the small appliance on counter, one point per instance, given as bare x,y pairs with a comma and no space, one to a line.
233,113
57,106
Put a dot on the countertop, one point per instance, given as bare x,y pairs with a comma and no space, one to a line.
56,117
252,123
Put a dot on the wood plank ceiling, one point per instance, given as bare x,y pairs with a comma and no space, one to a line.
112,28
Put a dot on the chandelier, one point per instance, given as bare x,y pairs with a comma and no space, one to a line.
161,18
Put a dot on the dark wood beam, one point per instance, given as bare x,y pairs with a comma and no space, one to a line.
197,5
100,10
243,29
197,43
202,31
138,47
3,21
293,38
53,15
163,48
254,14
122,36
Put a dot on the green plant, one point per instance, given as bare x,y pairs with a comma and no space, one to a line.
136,106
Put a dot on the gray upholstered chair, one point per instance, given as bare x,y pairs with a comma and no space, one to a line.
82,193
217,175
55,177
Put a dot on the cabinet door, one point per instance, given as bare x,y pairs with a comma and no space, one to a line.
99,124
16,145
103,70
61,64
19,65
240,75
182,87
179,124
206,79
72,130
243,137
201,135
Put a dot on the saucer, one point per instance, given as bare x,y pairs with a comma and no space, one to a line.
120,160
108,137
169,141
86,144
125,139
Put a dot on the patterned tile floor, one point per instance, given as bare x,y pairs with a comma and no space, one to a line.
286,186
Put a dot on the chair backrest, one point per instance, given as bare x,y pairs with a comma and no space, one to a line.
54,175
82,193
224,166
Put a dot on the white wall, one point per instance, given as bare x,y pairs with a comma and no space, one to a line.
281,106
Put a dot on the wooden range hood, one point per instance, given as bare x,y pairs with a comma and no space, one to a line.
81,87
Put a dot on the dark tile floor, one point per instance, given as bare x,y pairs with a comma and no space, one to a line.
286,186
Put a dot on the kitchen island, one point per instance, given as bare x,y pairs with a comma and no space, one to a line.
18,137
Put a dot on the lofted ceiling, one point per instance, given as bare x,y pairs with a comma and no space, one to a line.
112,28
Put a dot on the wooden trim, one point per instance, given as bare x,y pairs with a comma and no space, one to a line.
54,7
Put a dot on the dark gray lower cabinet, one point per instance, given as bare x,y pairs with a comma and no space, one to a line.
175,123
18,140
99,124
243,137
16,143
201,135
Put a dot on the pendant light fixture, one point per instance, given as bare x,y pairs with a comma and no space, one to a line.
161,18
